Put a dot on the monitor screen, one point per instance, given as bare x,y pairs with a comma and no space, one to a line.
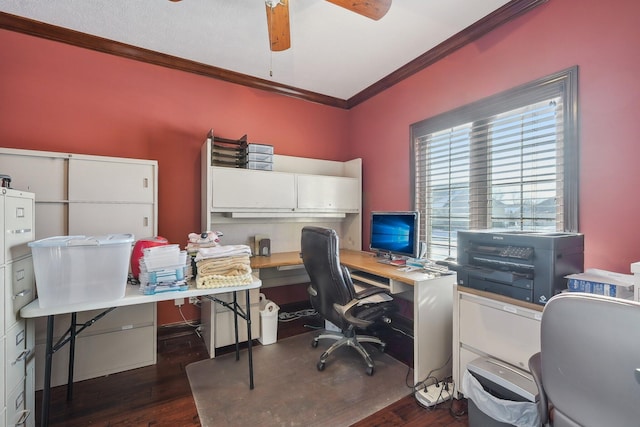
395,233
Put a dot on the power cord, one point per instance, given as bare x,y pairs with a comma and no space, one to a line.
289,317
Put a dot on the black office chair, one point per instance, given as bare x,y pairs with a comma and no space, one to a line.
588,367
333,296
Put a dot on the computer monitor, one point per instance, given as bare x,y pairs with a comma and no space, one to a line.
395,233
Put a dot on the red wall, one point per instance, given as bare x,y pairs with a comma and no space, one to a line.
56,97
61,98
603,39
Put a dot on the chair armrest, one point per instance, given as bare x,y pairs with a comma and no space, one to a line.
346,310
365,293
535,366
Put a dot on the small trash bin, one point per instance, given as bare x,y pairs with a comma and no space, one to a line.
268,321
499,395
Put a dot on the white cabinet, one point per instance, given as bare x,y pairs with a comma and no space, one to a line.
243,189
17,407
218,321
92,195
495,326
328,193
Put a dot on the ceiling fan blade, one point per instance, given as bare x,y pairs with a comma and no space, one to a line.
374,9
278,24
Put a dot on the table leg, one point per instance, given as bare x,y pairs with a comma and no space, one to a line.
46,391
249,340
235,323
72,355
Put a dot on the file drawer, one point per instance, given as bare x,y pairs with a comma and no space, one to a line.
18,223
19,288
17,412
16,354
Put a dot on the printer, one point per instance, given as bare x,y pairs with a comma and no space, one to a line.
525,265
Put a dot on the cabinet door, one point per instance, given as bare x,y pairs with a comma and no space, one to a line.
45,176
328,193
250,189
111,218
111,181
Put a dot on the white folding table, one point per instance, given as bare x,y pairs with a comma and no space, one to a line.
132,297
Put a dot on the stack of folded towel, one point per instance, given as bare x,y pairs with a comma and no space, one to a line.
222,266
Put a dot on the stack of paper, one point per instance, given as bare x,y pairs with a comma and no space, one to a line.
162,269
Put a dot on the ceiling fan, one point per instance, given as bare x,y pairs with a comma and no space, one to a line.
278,17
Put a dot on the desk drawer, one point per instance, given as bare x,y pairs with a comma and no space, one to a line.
504,331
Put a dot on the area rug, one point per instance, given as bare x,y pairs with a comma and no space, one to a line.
290,391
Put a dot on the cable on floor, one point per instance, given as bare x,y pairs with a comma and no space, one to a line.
289,317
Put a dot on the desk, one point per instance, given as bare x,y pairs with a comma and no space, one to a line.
132,297
432,306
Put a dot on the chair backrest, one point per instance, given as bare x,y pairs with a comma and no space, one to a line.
590,359
329,280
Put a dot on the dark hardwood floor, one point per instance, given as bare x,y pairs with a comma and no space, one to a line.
160,395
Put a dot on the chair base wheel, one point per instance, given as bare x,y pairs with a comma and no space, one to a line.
370,370
320,366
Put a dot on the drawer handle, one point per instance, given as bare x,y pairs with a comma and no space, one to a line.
22,357
22,293
20,231
23,418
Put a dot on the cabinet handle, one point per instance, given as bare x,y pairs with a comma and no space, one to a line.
22,421
145,221
20,231
145,182
19,212
22,293
24,354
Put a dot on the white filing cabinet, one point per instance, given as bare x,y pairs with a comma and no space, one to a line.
17,396
78,194
486,324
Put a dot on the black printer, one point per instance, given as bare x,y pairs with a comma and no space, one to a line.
529,266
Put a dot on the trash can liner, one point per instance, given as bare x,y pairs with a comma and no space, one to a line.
519,414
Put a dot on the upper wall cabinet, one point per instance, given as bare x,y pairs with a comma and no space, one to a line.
242,190
328,193
296,188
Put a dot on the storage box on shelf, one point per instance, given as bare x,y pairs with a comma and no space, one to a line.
77,269
602,282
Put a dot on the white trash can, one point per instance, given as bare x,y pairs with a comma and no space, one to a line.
268,321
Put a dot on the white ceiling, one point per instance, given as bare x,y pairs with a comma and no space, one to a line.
334,52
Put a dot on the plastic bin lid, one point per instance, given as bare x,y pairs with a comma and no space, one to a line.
109,239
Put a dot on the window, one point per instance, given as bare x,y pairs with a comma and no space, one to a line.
508,162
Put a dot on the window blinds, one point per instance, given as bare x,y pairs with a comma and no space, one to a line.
501,163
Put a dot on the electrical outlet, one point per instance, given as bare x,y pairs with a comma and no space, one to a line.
178,302
193,300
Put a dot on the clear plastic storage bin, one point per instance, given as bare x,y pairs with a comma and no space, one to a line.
77,269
